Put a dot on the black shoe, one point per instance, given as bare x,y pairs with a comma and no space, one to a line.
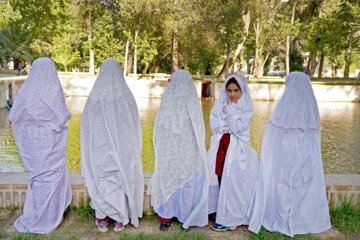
184,229
164,226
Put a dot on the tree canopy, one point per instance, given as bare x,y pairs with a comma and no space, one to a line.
211,37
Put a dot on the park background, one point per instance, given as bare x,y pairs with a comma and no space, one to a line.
207,37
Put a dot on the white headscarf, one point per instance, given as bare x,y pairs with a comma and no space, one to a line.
111,146
33,103
243,107
179,139
297,108
242,110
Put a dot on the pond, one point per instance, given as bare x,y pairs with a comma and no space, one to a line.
340,136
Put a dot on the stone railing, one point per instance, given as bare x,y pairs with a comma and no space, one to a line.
13,189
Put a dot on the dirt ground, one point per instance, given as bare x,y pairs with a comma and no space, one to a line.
75,226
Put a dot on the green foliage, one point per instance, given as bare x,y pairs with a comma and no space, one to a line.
175,236
207,32
73,153
265,235
346,217
296,61
84,210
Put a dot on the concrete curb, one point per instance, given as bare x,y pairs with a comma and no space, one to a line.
13,186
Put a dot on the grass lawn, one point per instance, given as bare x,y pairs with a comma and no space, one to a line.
79,223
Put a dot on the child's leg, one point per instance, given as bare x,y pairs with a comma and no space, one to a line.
165,223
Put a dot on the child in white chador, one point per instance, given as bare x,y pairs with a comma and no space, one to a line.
233,164
111,150
179,185
290,192
38,118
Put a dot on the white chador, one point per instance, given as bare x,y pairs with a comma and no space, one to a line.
290,192
111,148
232,200
179,183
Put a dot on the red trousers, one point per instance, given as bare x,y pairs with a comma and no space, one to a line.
221,155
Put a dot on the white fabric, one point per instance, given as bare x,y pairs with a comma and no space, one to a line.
111,146
297,108
180,154
38,119
232,201
290,194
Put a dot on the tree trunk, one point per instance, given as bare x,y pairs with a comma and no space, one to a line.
288,41
357,79
313,64
91,50
130,62
348,56
260,69
256,56
145,69
135,50
175,57
126,57
226,65
157,67
230,59
92,61
333,62
333,69
322,58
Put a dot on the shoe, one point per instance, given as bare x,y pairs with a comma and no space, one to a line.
221,228
164,226
184,229
103,225
118,226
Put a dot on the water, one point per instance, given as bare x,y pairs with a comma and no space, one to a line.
340,134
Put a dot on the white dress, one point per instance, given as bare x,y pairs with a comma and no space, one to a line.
232,200
290,194
178,186
111,145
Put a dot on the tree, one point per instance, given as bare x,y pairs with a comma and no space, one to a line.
38,21
350,13
233,31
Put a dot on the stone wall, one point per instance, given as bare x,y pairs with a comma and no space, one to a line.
143,88
82,85
273,92
4,89
13,189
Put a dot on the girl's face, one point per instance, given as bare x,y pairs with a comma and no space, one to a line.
233,92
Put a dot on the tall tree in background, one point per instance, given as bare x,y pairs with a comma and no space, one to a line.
86,10
234,30
350,13
264,17
39,21
287,58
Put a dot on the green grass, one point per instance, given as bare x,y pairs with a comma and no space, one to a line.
265,235
175,236
83,209
73,153
32,236
346,217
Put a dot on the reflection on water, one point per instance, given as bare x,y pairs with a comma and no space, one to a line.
340,134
